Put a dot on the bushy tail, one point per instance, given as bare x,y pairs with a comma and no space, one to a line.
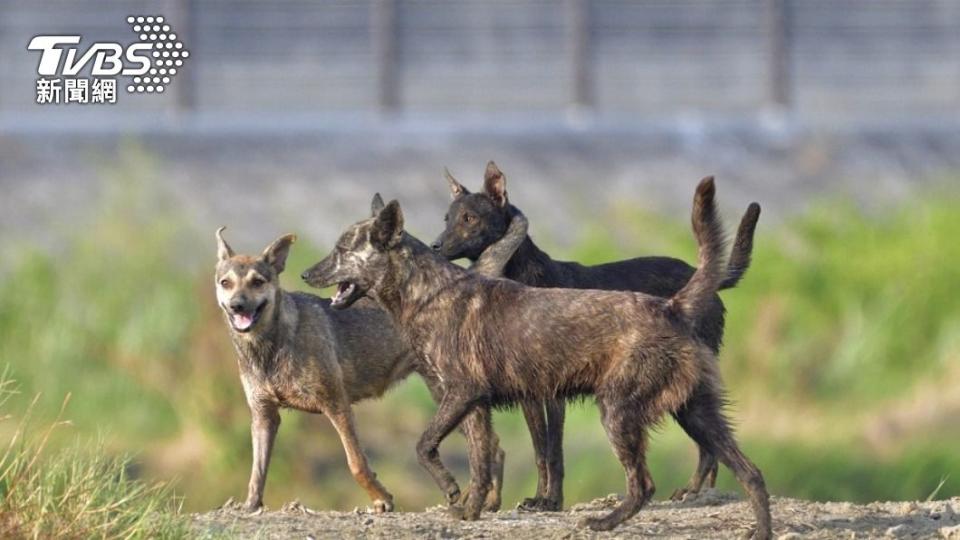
690,301
742,247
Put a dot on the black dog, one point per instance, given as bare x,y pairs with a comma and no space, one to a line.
475,221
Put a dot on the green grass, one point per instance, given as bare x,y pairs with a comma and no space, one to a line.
78,492
843,322
858,308
847,305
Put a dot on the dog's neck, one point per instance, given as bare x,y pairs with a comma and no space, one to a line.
529,265
257,350
416,276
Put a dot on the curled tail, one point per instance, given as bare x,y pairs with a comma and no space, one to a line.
689,302
742,247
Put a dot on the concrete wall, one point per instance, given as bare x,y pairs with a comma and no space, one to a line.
642,58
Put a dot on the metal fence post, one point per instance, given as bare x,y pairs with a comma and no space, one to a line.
183,17
778,43
384,36
578,46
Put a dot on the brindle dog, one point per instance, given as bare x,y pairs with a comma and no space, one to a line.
496,341
296,350
476,221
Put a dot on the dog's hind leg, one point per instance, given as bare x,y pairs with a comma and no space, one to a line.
533,413
627,430
483,449
547,436
700,402
342,420
712,431
265,421
497,459
453,408
556,415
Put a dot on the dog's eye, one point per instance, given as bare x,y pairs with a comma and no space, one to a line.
467,218
225,283
257,282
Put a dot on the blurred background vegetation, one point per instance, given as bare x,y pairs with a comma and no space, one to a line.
842,356
842,349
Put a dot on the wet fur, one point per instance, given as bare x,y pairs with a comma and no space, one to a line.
495,341
475,221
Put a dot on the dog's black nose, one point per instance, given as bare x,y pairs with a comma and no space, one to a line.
305,275
437,245
237,307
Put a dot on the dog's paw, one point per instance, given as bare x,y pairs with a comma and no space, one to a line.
681,494
252,507
539,504
529,504
381,506
453,495
455,511
492,504
470,513
460,513
471,510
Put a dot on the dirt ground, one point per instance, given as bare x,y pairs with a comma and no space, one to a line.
712,514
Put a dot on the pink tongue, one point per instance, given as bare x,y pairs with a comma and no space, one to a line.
242,321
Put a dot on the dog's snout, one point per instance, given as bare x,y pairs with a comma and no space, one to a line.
437,245
305,276
237,306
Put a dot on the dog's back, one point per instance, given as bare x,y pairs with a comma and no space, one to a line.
520,341
475,220
656,276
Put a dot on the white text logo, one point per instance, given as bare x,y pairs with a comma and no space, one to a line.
151,63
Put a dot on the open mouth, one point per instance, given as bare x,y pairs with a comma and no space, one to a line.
243,322
344,294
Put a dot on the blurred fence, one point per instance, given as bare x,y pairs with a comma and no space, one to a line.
610,57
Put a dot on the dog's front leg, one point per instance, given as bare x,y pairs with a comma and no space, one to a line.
263,432
453,407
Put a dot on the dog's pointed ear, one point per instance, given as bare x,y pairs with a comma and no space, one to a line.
276,253
224,251
456,188
388,226
495,184
376,205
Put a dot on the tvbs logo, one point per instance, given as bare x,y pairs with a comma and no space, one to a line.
107,57
151,63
